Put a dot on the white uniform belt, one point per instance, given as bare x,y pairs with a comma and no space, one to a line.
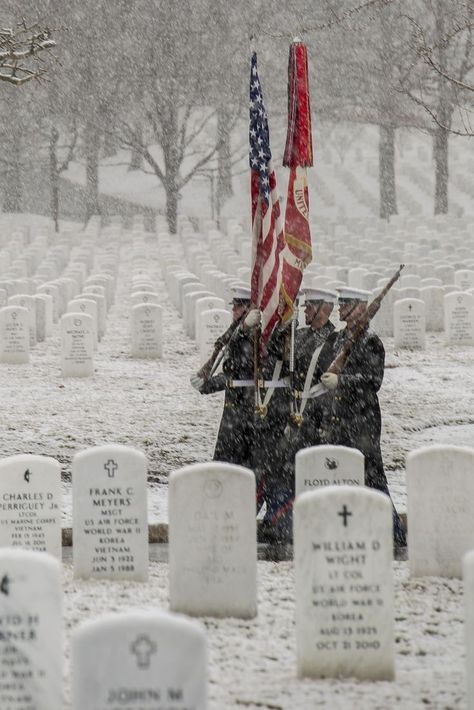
266,384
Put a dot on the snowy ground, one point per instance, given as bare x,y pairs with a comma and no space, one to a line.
427,397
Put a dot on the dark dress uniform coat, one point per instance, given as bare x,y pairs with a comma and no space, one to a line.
307,341
280,464
236,431
354,417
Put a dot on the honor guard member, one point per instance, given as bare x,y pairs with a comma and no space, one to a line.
236,431
307,413
272,404
303,416
353,418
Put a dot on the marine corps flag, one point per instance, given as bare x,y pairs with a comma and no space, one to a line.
298,156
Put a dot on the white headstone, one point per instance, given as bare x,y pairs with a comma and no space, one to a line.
433,296
212,324
445,272
189,309
464,278
208,303
459,318
44,316
28,302
140,297
14,335
408,292
77,345
319,466
107,282
382,323
468,577
355,277
440,489
101,312
409,281
31,653
86,306
409,324
344,587
30,503
53,291
147,331
148,661
212,541
141,286
110,528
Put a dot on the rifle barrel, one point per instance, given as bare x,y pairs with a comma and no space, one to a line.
339,361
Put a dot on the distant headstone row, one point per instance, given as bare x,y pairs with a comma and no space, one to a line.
146,318
434,294
64,278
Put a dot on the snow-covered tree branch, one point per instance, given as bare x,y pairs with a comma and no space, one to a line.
20,50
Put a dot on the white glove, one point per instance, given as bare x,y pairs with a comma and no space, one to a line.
196,382
253,318
329,380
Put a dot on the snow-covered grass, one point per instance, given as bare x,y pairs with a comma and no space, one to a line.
150,405
427,397
252,664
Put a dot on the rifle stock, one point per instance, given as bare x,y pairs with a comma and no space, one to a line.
339,361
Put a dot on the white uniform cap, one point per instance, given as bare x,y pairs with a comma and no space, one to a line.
241,293
319,294
353,294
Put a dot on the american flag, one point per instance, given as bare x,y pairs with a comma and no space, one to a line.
267,226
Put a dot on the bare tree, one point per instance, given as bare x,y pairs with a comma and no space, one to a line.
447,61
440,78
173,126
360,65
20,50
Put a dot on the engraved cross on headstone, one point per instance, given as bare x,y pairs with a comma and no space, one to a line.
111,466
344,513
410,307
143,648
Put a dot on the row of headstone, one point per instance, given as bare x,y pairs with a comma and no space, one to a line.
156,659
424,287
110,512
343,541
343,555
330,246
60,273
203,297
146,314
439,480
84,324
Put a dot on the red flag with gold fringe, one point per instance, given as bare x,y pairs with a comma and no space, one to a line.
297,253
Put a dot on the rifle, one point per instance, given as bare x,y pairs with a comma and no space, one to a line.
222,341
339,361
259,409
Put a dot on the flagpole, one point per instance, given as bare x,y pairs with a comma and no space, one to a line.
297,157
